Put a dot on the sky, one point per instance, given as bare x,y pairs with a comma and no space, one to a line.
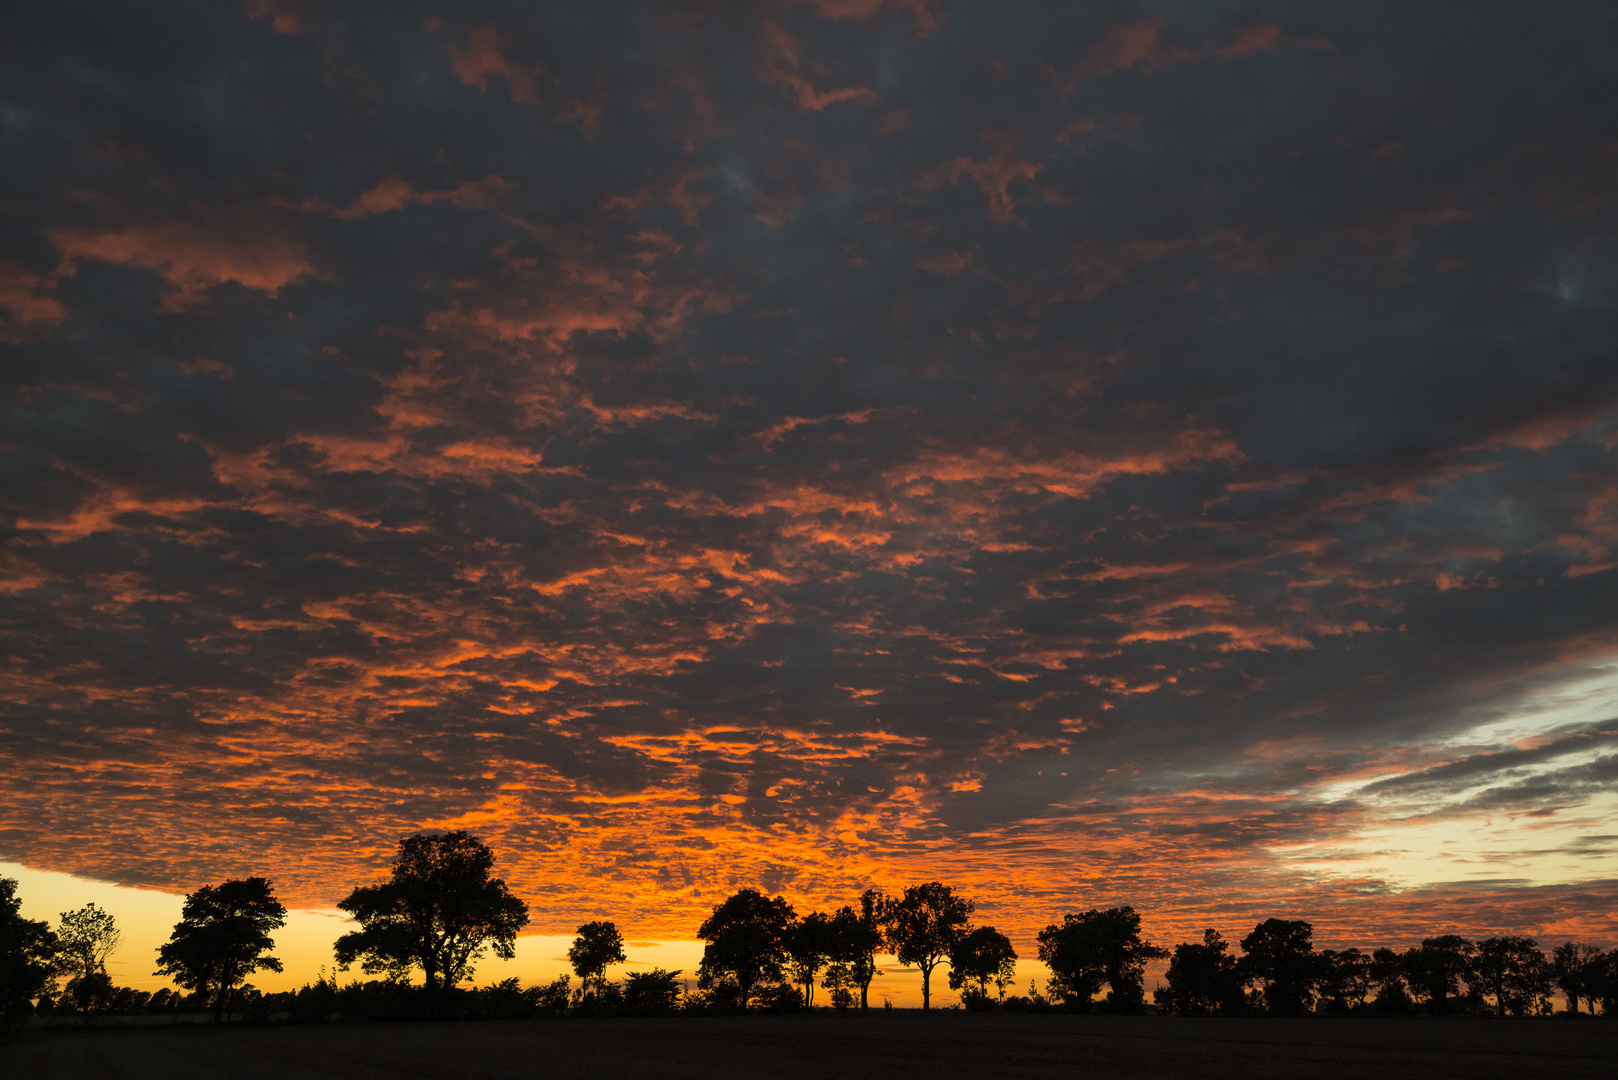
1121,453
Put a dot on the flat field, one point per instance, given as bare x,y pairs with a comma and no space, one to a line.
823,1047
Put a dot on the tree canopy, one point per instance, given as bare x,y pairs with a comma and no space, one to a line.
223,936
1203,979
1281,952
438,911
923,927
747,942
27,957
983,956
598,947
85,939
1094,948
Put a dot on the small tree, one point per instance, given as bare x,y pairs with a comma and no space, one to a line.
437,912
1203,979
85,939
1344,979
651,993
983,956
924,926
1096,947
1574,967
1435,970
598,946
747,942
1281,952
857,939
27,957
810,943
222,937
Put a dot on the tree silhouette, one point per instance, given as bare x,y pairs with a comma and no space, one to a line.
923,927
437,912
1387,976
1575,968
1281,952
598,946
85,938
747,942
859,940
27,957
1435,970
1203,979
983,956
810,943
222,937
1512,969
651,993
1343,980
1096,947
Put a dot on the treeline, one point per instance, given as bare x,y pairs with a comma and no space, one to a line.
441,909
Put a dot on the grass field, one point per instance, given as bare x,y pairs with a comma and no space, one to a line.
898,1044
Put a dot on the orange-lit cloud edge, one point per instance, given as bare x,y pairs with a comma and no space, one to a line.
569,570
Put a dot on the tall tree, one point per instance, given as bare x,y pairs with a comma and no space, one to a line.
1281,952
811,942
27,957
1387,975
438,911
1203,978
222,937
1435,970
1575,967
85,939
747,942
598,946
1512,969
983,956
862,940
1344,979
1099,947
923,927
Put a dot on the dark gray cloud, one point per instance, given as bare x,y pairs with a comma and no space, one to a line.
1092,452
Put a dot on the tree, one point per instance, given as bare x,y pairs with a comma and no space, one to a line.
923,927
983,956
437,912
85,939
598,946
1281,952
222,937
1387,978
747,942
1203,979
1512,969
27,957
1574,967
651,993
1096,947
857,939
810,943
1435,970
1344,979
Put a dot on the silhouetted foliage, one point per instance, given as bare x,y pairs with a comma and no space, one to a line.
747,943
983,956
1576,969
1203,980
1387,978
1095,948
1343,980
1281,952
1514,971
598,946
923,927
1435,970
85,939
811,942
857,939
437,912
222,937
27,957
651,993
313,1003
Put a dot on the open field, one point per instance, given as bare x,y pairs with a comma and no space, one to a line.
820,1047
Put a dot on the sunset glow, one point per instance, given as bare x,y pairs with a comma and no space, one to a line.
1141,454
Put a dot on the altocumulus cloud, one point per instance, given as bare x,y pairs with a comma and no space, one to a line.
1090,454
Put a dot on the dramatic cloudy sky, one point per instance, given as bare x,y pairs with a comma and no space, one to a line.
1088,453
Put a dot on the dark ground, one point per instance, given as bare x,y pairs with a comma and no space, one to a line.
887,1045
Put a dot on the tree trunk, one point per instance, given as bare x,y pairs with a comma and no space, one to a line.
926,988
